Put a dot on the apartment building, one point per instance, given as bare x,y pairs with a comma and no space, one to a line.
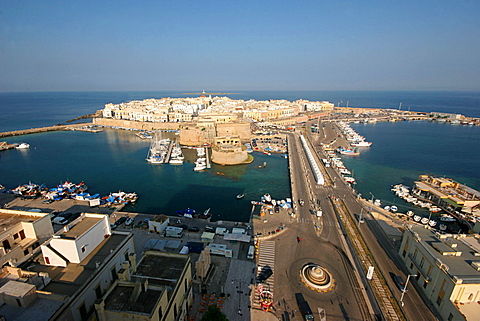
159,288
446,268
70,271
23,232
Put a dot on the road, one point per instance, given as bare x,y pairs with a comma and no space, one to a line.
382,248
322,244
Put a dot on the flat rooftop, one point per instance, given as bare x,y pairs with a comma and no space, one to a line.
81,227
161,269
9,219
458,266
123,298
67,280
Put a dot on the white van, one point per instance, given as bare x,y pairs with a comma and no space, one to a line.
251,252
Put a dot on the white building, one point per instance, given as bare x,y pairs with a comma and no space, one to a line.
76,267
446,268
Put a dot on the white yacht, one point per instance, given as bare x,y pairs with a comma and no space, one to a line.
22,146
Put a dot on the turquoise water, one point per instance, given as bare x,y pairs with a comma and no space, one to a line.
115,160
402,151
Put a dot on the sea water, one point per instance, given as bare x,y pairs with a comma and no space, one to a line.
402,151
114,160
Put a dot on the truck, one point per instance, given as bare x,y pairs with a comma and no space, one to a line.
195,247
173,231
220,249
251,252
304,307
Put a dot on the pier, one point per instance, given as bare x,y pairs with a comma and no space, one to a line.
169,152
40,130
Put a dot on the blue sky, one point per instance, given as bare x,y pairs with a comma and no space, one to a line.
239,45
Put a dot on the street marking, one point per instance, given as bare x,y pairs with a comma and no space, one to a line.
322,314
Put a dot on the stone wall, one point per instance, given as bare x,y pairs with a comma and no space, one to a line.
243,130
229,157
141,125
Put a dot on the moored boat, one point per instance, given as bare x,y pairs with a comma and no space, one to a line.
22,146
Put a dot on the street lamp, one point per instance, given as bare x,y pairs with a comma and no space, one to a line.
405,289
372,196
360,217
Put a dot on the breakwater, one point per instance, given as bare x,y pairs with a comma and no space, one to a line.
40,130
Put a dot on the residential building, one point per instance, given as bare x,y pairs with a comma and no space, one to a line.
159,288
446,268
23,232
74,268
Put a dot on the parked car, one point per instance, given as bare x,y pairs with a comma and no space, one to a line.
184,226
399,282
60,220
209,228
193,229
120,221
264,274
301,202
129,221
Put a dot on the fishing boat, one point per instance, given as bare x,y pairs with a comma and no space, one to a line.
22,146
361,143
158,150
447,218
350,152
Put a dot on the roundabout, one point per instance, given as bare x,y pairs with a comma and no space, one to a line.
317,277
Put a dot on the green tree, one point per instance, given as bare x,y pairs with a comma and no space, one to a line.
214,314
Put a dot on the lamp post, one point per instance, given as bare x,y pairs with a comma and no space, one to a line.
239,292
360,217
405,289
372,196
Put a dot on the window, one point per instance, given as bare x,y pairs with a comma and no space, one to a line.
83,248
441,293
98,292
25,252
47,260
429,270
126,256
114,274
450,317
425,284
15,236
22,234
422,261
415,254
83,311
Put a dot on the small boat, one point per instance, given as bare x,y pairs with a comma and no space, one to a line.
417,218
393,208
387,208
424,220
22,146
432,223
240,196
410,213
447,218
377,203
199,167
442,227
